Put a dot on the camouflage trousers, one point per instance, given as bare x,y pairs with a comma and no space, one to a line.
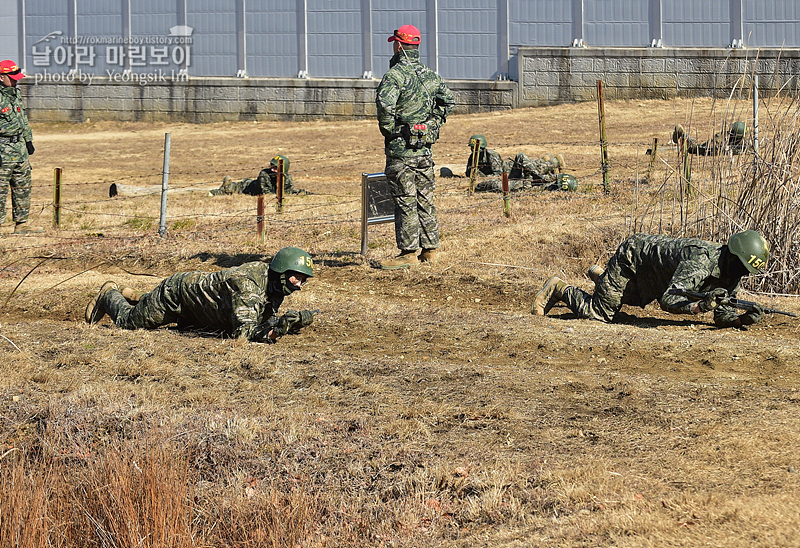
17,177
611,291
526,168
161,306
496,185
412,184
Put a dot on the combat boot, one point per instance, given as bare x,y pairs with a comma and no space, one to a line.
96,308
131,295
23,229
595,271
548,296
428,255
116,304
406,259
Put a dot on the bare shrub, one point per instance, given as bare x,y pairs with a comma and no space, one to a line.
128,497
712,197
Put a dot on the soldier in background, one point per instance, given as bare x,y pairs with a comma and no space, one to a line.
16,144
537,171
733,141
240,302
526,173
561,181
265,183
489,161
645,268
412,104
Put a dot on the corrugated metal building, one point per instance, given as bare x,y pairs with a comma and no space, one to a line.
462,39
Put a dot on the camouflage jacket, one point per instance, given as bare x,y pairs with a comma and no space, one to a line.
489,163
13,125
410,93
236,301
265,183
268,181
659,263
719,144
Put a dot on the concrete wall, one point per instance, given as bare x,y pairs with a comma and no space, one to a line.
547,76
558,75
229,99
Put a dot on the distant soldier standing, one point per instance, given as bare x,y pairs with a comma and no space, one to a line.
412,104
16,144
646,268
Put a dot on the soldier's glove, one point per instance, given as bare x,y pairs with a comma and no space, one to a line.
29,146
754,315
713,299
286,323
306,318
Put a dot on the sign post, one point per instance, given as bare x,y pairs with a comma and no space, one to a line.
377,205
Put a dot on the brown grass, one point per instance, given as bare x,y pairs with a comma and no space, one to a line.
422,408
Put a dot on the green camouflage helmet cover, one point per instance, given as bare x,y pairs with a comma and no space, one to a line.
478,137
567,182
294,259
274,162
751,248
738,130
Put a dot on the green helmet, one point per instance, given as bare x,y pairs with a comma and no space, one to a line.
567,182
477,137
751,248
738,130
274,162
294,259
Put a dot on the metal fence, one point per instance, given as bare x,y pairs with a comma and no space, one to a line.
462,39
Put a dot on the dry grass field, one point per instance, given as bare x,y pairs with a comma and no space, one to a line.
422,408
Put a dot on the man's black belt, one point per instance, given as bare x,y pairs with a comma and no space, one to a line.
11,138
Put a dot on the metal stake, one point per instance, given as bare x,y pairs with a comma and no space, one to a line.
162,224
57,197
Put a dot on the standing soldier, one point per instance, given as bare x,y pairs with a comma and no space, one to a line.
412,103
16,144
646,268
242,301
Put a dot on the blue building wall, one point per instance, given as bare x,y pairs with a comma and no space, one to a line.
462,39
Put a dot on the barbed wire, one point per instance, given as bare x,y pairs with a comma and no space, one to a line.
446,188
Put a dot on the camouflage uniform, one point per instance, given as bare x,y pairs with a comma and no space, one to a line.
720,143
410,93
645,267
536,171
266,183
524,173
241,301
489,163
15,168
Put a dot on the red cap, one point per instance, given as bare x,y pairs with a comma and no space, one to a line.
407,34
11,69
